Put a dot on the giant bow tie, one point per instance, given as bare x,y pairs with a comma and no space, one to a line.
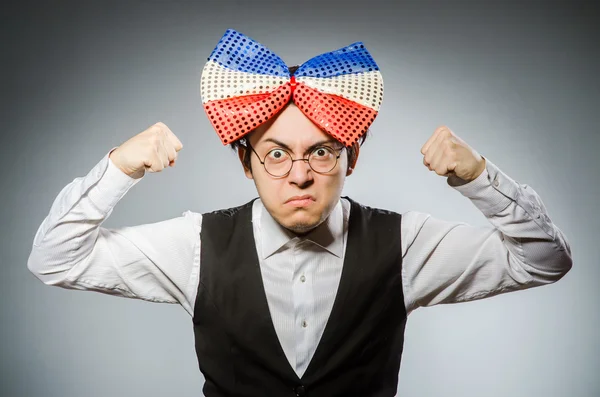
244,84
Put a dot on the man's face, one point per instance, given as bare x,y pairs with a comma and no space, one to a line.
294,132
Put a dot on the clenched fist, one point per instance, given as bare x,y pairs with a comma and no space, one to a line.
448,155
153,149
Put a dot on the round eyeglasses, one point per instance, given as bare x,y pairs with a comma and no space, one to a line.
278,162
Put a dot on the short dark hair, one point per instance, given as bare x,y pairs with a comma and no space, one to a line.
243,143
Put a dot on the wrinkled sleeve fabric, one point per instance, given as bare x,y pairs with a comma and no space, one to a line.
450,262
156,262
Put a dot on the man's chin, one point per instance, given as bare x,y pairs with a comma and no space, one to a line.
301,228
303,224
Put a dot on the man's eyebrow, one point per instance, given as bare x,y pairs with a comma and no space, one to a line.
308,150
329,142
278,143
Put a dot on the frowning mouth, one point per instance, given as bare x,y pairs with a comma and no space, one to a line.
300,201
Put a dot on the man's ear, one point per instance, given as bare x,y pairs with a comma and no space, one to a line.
241,155
352,166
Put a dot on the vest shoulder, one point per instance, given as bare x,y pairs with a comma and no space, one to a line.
372,210
230,212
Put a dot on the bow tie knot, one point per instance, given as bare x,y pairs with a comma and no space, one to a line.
293,83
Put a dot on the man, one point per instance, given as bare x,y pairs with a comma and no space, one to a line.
301,291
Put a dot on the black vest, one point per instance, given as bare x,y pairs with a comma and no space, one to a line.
236,343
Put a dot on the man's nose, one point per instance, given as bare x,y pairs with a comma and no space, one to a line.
301,173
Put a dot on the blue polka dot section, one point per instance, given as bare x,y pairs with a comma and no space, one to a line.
238,52
353,58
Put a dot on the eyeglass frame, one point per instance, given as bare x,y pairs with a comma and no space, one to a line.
294,160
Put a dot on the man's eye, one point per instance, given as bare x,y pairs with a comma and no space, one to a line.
277,154
321,152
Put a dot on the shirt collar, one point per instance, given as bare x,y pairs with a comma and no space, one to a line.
328,235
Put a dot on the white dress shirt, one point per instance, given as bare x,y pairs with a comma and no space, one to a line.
443,262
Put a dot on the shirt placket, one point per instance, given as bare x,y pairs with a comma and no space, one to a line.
303,303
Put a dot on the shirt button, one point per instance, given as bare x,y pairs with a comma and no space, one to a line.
496,183
302,278
304,324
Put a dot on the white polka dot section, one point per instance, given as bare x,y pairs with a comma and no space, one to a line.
364,88
218,83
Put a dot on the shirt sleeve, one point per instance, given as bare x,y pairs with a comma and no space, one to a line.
156,262
451,262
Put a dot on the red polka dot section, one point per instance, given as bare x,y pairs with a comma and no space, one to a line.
234,117
343,119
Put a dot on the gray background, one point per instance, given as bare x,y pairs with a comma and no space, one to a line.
518,82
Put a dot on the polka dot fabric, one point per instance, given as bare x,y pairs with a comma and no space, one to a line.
350,59
364,88
345,120
239,52
234,118
244,84
223,83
